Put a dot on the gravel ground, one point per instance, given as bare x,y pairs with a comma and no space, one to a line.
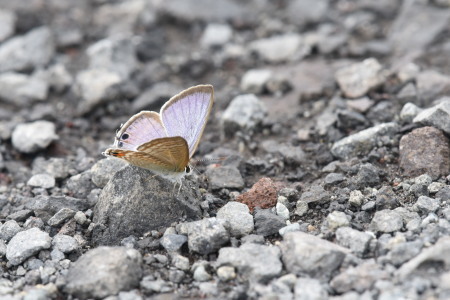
326,157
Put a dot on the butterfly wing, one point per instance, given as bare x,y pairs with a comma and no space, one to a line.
186,114
139,129
163,155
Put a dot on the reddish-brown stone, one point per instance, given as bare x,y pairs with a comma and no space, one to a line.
263,194
425,150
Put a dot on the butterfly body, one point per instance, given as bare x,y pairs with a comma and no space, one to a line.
165,142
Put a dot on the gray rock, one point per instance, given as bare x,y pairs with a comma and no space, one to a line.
56,167
435,187
25,244
359,278
92,85
149,285
304,254
200,271
216,35
180,262
81,184
225,177
104,271
203,10
253,262
21,89
31,137
437,252
80,217
45,181
281,48
356,198
105,169
9,229
291,154
58,77
409,112
61,216
358,242
116,55
361,105
45,207
315,193
20,215
239,218
135,201
207,235
368,175
268,223
155,95
254,80
289,228
430,85
333,179
408,94
308,289
7,24
282,211
359,78
416,26
337,219
65,243
32,50
301,208
437,116
403,252
253,238
386,221
426,204
303,12
361,143
244,113
173,242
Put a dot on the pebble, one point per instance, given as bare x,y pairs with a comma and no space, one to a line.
9,229
31,137
121,271
361,143
200,272
337,219
21,89
173,242
426,204
245,112
437,116
255,80
358,242
45,181
268,223
26,244
282,211
425,150
289,228
61,216
207,235
226,273
290,154
252,261
301,208
435,187
238,216
356,198
357,79
403,252
45,207
333,179
386,221
65,243
180,262
80,217
408,94
56,167
216,35
315,193
409,112
281,48
309,288
225,177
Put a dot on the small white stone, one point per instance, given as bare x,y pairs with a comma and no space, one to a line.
282,211
226,273
45,181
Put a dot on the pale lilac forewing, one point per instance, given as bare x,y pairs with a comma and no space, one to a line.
139,129
186,114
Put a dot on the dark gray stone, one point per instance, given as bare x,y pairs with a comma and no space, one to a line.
226,177
25,244
207,235
307,255
333,179
104,271
368,175
135,201
105,169
315,193
45,207
386,198
253,262
61,216
268,223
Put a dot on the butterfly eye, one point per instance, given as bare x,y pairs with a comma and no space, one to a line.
125,136
187,169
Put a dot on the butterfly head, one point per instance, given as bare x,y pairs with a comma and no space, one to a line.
114,152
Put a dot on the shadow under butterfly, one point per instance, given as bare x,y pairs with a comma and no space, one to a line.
165,142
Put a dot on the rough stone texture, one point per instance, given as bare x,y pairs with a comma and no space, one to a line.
65,243
268,223
359,78
226,177
253,262
425,150
45,181
9,229
25,244
104,271
353,239
437,116
105,169
45,207
135,201
386,221
31,137
207,235
361,143
307,255
239,218
263,194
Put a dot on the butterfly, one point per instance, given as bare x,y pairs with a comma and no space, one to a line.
165,142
